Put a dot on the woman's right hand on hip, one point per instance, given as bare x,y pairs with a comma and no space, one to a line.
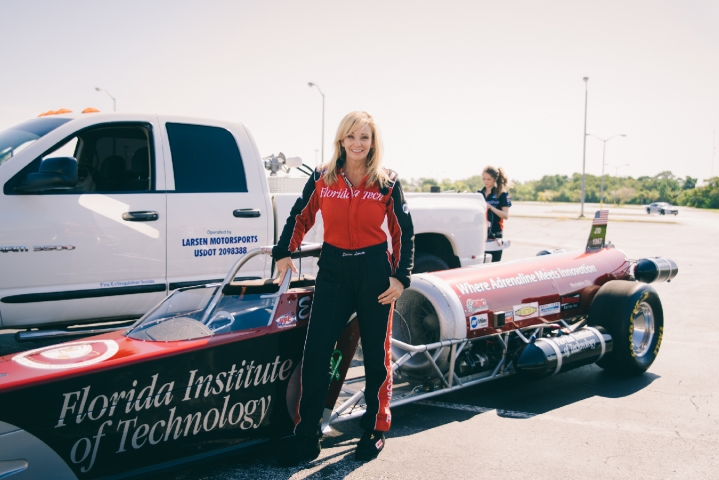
283,265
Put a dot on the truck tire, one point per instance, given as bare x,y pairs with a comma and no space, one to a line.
496,256
648,211
424,263
632,314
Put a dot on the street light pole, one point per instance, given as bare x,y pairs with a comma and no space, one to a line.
584,155
114,102
310,84
604,151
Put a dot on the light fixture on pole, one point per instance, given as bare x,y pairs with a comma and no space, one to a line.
584,155
114,102
604,151
616,174
310,84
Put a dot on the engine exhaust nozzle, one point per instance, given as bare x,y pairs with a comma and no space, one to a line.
656,269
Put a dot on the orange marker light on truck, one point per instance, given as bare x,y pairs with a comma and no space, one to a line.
55,112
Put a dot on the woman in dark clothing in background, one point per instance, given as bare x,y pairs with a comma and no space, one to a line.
496,194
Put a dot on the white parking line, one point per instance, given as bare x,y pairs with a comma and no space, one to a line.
574,421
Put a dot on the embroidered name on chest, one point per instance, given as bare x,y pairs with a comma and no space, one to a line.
344,193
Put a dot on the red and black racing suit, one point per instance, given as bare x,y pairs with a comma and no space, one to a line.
354,269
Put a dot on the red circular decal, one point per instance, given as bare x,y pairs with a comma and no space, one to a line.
68,355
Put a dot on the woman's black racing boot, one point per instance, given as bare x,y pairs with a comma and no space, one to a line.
369,446
301,450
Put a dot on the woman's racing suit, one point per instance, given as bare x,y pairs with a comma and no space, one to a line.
354,269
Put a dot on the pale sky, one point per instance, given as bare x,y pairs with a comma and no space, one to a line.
454,85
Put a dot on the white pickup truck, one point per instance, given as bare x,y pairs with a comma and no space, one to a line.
101,215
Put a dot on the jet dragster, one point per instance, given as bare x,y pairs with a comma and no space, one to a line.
213,369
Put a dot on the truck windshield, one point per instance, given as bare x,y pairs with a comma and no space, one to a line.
19,137
180,316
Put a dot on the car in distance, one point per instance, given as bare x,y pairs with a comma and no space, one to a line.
662,208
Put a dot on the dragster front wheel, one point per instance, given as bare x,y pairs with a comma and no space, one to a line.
632,314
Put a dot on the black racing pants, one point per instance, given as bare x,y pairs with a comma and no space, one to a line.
348,281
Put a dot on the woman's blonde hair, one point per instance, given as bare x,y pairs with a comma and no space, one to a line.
501,183
352,122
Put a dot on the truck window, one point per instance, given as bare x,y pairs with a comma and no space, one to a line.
16,139
205,159
113,158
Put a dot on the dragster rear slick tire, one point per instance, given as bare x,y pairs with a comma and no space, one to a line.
632,314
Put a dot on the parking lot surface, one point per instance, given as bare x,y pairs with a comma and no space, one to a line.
581,424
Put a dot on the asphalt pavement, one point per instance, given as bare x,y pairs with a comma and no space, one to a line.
585,423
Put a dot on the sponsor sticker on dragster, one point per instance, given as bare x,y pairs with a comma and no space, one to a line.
526,310
476,305
287,320
569,302
549,309
478,321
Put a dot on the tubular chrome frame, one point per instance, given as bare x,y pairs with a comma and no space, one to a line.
352,407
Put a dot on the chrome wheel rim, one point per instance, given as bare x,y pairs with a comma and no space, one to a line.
643,332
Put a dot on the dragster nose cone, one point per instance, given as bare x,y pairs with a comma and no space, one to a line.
532,361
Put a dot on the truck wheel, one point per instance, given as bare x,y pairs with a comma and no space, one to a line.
424,262
649,211
632,314
661,212
496,256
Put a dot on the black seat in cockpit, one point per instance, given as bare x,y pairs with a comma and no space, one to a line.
264,285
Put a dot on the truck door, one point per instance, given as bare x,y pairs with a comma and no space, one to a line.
218,206
96,251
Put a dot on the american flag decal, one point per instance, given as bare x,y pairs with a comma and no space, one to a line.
600,218
598,232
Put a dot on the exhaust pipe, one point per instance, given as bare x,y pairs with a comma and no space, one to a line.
655,269
549,356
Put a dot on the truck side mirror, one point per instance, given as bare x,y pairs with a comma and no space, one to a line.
54,173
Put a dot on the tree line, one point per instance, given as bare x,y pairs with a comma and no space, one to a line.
663,187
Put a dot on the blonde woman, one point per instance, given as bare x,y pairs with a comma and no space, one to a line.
357,272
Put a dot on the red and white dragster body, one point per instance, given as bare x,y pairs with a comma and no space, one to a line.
213,369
